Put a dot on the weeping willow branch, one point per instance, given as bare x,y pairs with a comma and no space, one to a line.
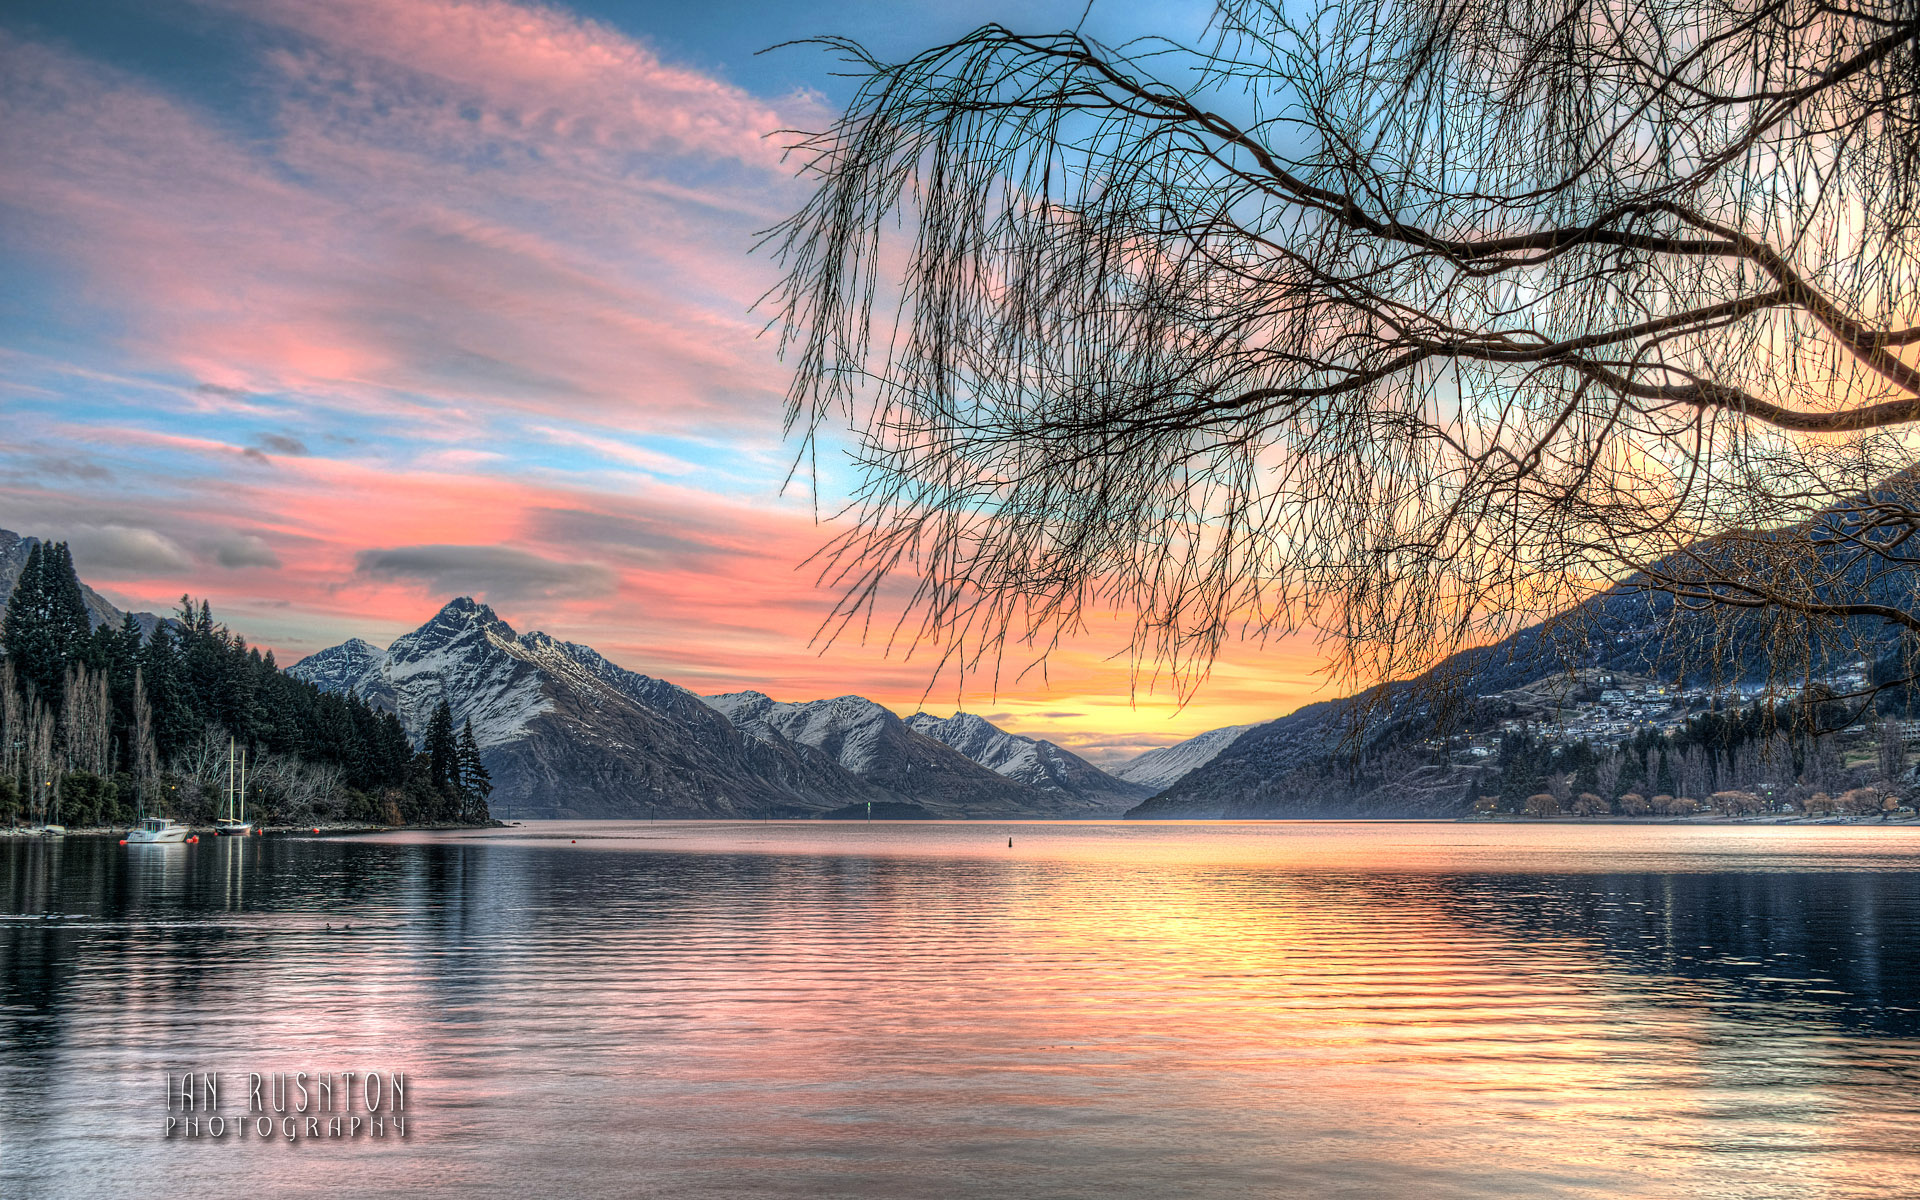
1404,323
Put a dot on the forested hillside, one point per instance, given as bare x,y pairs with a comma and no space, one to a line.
99,723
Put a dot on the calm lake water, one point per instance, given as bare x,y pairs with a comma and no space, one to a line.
918,1010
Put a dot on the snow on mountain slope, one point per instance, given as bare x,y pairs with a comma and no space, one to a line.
872,742
852,730
1038,764
1158,769
564,732
474,660
352,666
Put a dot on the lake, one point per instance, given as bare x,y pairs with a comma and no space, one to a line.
919,1010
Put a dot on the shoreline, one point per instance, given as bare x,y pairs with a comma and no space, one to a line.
23,832
103,831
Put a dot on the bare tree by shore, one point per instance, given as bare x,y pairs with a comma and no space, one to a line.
86,720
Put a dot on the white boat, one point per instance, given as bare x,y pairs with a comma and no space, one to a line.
233,815
156,831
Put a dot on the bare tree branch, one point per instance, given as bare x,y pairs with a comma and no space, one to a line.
1407,324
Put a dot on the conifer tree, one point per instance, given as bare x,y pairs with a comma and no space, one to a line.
105,701
174,720
23,631
475,782
443,752
67,605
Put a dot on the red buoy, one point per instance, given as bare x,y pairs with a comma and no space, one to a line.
123,841
194,838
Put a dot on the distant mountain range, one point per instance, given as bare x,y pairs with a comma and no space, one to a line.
1621,631
566,733
1035,763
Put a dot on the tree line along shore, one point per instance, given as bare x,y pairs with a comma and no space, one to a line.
100,725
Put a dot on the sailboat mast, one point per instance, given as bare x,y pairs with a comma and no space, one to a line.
242,811
229,777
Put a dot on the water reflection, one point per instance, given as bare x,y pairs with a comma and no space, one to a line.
905,1011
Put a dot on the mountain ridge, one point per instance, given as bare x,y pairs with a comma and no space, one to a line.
1033,761
874,743
1158,769
564,731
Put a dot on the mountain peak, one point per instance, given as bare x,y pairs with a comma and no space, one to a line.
748,696
467,606
537,640
459,615
972,721
352,666
1166,766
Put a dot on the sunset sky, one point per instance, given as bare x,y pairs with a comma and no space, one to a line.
332,311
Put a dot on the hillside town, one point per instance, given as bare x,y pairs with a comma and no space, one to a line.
1612,743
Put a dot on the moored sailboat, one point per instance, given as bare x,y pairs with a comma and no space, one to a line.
233,814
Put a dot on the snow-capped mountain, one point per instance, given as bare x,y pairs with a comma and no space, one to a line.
1158,769
352,666
1036,763
564,732
872,742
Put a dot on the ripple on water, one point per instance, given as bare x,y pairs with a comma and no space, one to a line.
915,1010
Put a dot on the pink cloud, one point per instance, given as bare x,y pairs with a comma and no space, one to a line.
463,204
525,71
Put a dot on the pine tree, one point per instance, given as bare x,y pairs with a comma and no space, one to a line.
475,783
443,752
24,630
67,607
176,722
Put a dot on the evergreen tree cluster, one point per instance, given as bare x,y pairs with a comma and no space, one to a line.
97,723
202,675
455,778
46,624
